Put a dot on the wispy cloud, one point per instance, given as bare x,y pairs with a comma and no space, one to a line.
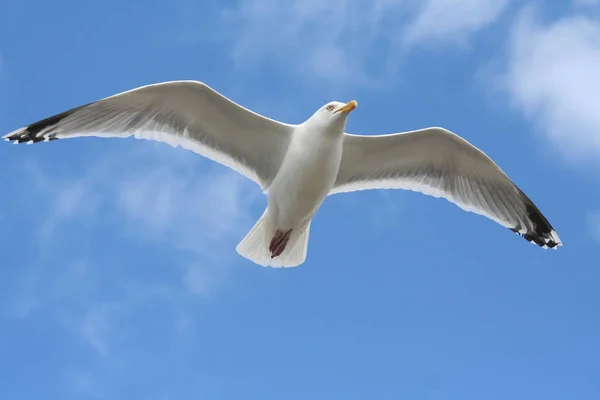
96,326
318,39
145,197
149,196
443,21
174,198
177,204
552,77
333,40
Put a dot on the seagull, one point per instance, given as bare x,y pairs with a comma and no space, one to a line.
298,166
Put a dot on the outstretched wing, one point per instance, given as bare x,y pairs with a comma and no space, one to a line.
181,113
437,162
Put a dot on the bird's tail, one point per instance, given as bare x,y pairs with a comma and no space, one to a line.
255,246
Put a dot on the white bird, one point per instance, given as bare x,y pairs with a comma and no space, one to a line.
298,166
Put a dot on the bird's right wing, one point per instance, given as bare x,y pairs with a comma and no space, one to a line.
189,114
439,163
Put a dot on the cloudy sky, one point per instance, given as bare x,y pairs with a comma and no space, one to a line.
119,277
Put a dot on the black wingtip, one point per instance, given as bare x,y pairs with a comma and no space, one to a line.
26,136
40,131
542,234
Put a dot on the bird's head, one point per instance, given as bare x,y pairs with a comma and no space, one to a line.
333,115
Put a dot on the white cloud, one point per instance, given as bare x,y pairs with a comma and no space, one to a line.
452,20
552,76
335,39
190,210
152,195
69,200
155,197
321,39
97,325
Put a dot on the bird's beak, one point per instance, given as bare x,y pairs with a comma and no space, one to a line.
349,106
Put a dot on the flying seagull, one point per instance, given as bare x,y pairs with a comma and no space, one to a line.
298,166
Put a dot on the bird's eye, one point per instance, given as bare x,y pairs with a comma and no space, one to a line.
330,107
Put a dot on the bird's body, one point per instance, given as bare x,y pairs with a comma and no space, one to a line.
306,176
298,166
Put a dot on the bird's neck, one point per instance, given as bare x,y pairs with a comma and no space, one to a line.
326,129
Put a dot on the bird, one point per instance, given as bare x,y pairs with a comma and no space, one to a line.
297,166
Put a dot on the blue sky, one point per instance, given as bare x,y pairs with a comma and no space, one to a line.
119,277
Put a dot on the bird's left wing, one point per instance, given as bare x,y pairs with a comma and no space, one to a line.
189,114
436,162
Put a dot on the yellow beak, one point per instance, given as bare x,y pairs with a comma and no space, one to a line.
349,106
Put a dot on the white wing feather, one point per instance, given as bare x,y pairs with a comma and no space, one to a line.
189,114
437,162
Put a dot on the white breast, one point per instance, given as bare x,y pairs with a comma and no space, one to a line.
306,176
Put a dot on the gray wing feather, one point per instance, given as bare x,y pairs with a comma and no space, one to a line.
181,113
436,162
